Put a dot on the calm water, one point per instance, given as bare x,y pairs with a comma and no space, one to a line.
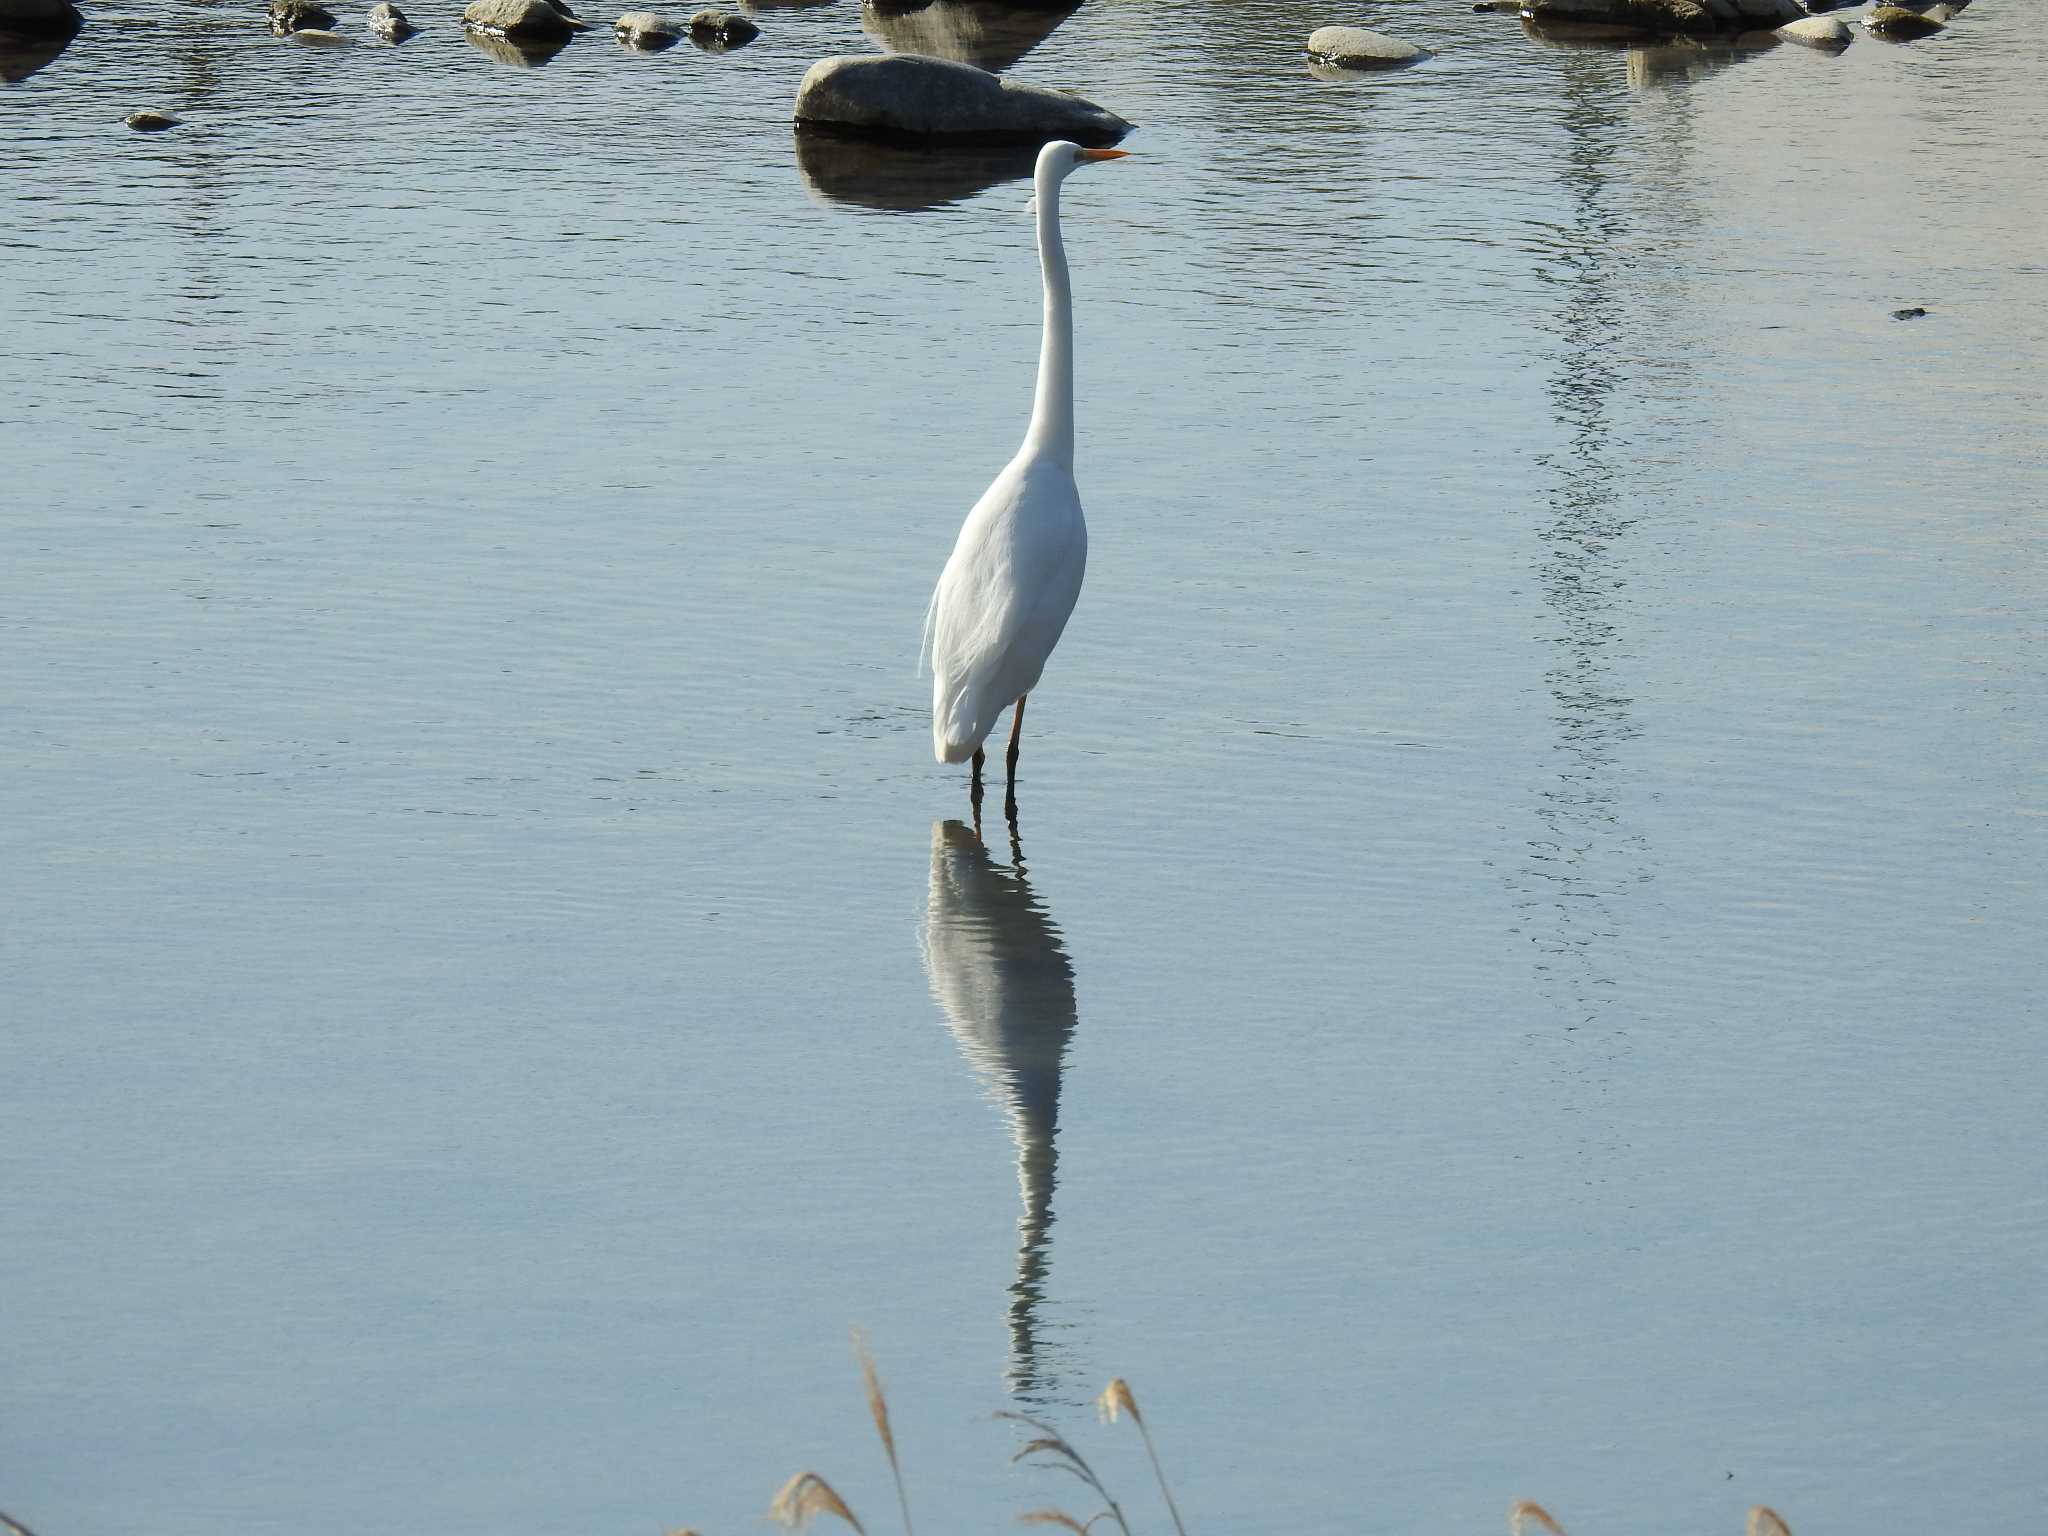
1525,972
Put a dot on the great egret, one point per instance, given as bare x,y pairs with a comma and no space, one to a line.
1006,593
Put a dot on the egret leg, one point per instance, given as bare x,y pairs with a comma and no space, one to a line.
1010,762
1016,735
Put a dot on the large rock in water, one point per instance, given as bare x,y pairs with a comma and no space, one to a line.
1897,21
647,30
1356,48
37,16
1669,16
540,21
1823,32
387,20
905,95
289,16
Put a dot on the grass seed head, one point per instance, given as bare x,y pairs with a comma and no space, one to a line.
1524,1510
805,1497
1117,1398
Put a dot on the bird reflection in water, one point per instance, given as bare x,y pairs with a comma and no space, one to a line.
1001,975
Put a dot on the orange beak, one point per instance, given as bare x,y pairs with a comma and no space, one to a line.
1104,154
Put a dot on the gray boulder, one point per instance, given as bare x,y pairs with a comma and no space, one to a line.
1825,32
150,122
1356,48
1896,21
1668,16
387,20
647,29
288,16
722,29
905,95
540,21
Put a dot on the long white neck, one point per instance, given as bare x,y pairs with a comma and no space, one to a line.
1052,410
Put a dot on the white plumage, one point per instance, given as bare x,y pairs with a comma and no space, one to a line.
1006,594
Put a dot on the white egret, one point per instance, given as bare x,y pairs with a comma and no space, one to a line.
1007,592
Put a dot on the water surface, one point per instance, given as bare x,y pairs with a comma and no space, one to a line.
1519,973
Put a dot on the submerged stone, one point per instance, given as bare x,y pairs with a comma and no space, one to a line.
524,20
647,29
289,16
1356,48
896,95
1818,32
1668,16
1896,21
722,29
387,20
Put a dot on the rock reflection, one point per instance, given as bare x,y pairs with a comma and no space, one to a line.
1653,61
530,55
1001,975
986,33
903,178
1584,860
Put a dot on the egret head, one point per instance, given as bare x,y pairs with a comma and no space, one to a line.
1060,158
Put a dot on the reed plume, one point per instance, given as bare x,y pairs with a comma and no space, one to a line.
1528,1509
1052,1447
878,1410
1766,1521
1118,1398
805,1497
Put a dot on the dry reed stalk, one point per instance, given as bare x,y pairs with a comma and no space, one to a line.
1766,1521
805,1497
1052,1445
1117,1398
1528,1509
15,1525
878,1410
1058,1517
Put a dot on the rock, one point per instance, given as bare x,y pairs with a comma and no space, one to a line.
24,50
722,29
318,37
539,21
150,122
38,16
288,16
647,29
1356,48
1818,32
1896,21
899,95
1906,314
387,20
1668,16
